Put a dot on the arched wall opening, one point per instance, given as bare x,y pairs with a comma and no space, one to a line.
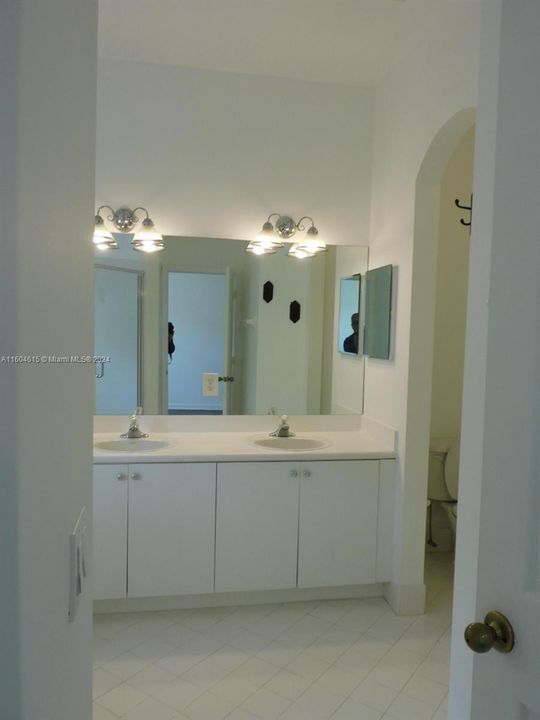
421,342
453,250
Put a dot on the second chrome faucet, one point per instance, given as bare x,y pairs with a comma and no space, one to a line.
134,431
282,429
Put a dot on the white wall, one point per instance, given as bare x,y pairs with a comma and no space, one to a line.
197,309
451,293
429,88
47,136
211,154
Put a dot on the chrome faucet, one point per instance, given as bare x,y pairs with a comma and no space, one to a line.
282,429
134,431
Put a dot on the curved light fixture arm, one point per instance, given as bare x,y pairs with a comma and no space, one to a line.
124,219
110,218
135,218
302,227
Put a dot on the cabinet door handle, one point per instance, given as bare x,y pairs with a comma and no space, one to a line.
307,473
134,476
121,476
293,473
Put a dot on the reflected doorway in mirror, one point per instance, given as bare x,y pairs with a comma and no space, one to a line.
349,343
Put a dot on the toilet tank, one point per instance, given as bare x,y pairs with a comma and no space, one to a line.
438,467
451,469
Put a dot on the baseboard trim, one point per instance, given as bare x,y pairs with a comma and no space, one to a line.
405,599
258,597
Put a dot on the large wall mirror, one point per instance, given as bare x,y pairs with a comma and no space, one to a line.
268,326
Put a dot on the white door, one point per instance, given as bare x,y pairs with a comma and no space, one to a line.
171,529
256,526
498,543
338,523
116,303
229,351
199,306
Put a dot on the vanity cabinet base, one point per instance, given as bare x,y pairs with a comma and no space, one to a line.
230,599
238,533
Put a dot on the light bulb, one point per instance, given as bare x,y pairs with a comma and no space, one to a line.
148,239
103,239
312,243
267,238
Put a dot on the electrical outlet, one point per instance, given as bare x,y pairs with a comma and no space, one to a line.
210,386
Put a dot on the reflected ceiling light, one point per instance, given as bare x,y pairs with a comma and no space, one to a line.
272,237
147,239
299,253
258,249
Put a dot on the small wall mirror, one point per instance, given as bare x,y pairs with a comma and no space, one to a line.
378,312
349,341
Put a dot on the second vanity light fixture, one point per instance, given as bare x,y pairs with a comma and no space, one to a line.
147,239
272,237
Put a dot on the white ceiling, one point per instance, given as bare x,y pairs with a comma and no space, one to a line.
352,42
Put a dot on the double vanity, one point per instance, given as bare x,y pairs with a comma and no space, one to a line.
214,511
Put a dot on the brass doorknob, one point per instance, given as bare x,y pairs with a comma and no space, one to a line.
495,632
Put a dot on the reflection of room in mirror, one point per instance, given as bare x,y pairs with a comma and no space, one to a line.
279,366
349,316
281,372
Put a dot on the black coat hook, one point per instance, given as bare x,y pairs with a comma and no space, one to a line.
465,207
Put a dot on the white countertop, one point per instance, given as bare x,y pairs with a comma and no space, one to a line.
238,446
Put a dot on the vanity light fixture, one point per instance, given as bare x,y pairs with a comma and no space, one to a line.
272,237
147,239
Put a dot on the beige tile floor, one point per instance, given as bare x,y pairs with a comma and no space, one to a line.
344,660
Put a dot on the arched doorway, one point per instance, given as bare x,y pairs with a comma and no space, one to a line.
423,301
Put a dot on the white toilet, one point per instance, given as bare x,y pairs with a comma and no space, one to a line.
444,475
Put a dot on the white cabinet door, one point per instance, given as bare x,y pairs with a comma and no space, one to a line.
256,526
109,537
171,529
338,523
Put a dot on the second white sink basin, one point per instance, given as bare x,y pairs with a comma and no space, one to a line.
290,443
132,445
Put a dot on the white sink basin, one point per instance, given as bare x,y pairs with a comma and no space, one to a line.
290,443
132,445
